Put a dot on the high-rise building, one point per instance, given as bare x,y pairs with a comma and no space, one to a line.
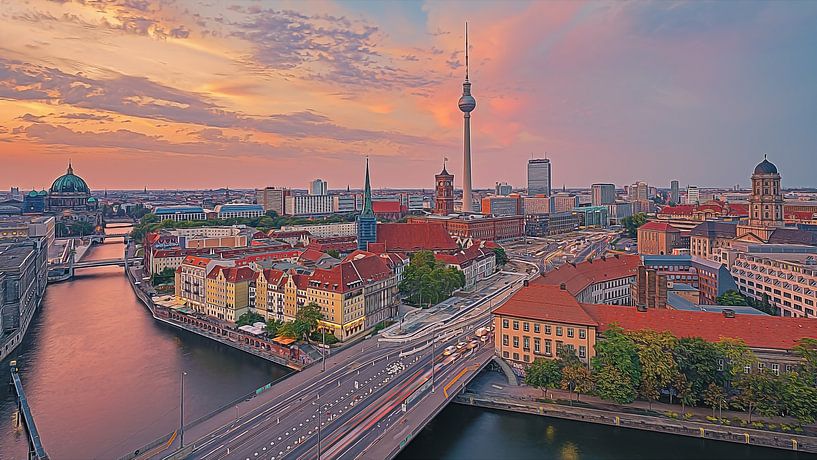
444,197
539,177
366,221
693,194
318,187
511,205
467,104
674,192
503,188
272,199
639,191
563,202
308,205
603,194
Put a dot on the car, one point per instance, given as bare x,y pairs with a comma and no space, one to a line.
449,350
472,344
460,345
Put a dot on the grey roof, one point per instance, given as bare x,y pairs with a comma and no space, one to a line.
793,236
715,229
679,303
765,167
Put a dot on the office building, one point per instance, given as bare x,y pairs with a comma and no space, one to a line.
563,202
693,195
502,188
243,210
272,199
308,205
639,191
539,177
318,187
503,205
603,194
180,213
674,192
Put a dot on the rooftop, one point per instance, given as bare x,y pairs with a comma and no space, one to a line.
398,237
578,277
545,303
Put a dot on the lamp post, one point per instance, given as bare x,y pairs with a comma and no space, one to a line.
320,422
181,412
433,346
323,350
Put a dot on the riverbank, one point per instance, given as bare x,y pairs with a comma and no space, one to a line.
219,332
488,394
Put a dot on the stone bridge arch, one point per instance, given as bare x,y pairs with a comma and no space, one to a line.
513,380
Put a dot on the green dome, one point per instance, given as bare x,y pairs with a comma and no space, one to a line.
91,200
70,183
33,193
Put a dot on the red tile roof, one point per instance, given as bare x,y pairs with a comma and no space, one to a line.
413,237
466,256
386,207
756,330
273,276
656,226
351,274
232,274
678,210
545,303
196,261
577,278
311,255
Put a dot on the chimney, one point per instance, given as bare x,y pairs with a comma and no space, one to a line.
563,286
616,256
728,313
525,283
641,308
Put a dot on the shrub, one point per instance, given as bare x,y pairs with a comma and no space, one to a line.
798,429
785,427
711,418
688,415
743,422
757,425
771,426
725,421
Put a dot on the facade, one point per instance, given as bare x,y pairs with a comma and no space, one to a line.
444,193
23,279
765,203
318,187
474,262
366,221
786,280
592,216
539,177
536,205
712,279
658,238
191,282
272,199
554,223
564,202
503,188
707,238
605,280
478,227
603,194
693,195
618,211
228,292
69,200
180,213
639,191
539,321
308,205
345,204
503,205
34,202
232,210
325,230
270,298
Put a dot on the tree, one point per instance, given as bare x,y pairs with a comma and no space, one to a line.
806,349
683,389
543,374
501,256
288,330
749,392
714,396
732,297
274,327
166,276
631,223
249,318
697,362
658,367
306,319
334,253
737,357
800,397
577,379
428,281
613,385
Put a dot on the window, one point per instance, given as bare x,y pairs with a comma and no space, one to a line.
720,364
526,358
526,326
547,329
526,343
582,351
570,332
536,328
761,366
776,369
505,339
537,348
505,323
559,330
548,350
504,354
788,367
516,356
747,369
516,342
559,345
516,325
582,333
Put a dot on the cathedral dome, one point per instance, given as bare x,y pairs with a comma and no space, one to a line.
70,183
765,167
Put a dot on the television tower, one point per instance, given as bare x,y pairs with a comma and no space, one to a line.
467,104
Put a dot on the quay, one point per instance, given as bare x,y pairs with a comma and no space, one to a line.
35,445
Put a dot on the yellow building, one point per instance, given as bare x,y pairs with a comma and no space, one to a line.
270,294
228,292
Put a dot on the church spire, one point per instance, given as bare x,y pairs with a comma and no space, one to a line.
70,168
367,194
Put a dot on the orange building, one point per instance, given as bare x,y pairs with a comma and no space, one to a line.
478,227
658,238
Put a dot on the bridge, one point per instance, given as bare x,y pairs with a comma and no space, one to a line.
105,263
367,401
35,445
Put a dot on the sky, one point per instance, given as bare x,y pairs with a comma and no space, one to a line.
206,94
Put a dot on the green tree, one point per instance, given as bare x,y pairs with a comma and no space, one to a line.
501,256
658,367
732,297
750,392
683,389
543,374
715,397
334,253
806,349
249,318
306,319
737,357
697,361
288,329
800,397
631,223
613,385
166,276
618,350
428,281
274,327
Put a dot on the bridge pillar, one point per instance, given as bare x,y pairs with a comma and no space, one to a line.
507,370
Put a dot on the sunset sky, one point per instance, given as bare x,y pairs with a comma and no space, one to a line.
200,94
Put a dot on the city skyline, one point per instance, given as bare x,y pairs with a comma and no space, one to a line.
611,92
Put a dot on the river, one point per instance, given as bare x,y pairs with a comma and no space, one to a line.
103,377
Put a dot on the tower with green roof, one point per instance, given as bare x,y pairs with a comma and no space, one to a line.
366,220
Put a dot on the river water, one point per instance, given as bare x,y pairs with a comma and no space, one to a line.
103,377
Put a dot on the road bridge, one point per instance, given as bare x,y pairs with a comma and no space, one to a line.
35,445
105,263
370,400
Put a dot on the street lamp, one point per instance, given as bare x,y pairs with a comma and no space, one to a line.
181,410
320,422
323,349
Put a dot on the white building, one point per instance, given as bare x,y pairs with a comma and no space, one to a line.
308,205
318,187
325,230
180,213
693,194
345,204
232,210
